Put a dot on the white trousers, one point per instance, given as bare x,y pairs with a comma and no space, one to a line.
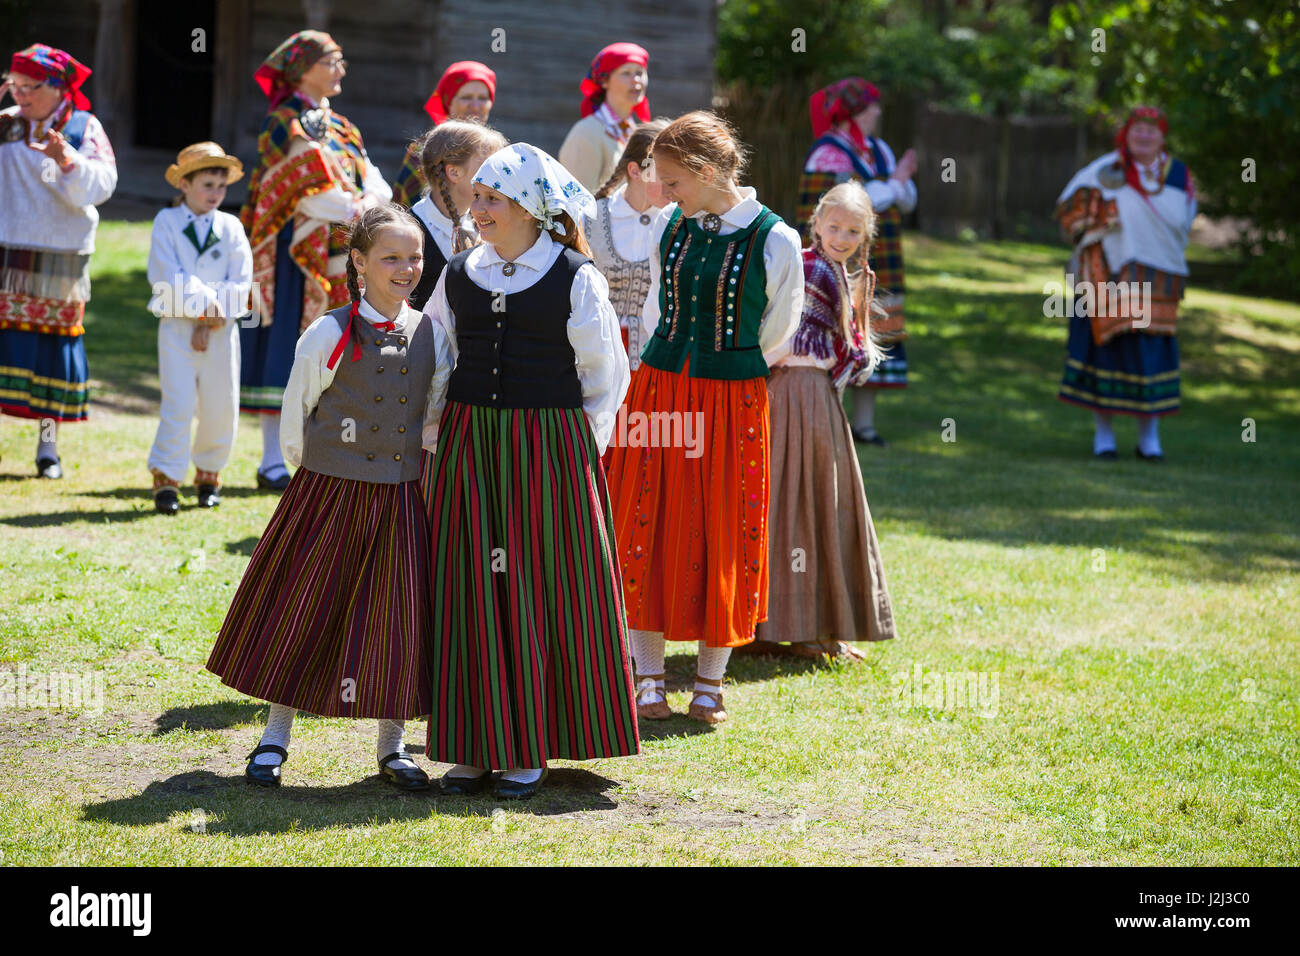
202,385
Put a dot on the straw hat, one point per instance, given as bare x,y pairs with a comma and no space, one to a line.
203,156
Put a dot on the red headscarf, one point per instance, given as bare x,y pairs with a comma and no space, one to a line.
55,67
280,73
453,78
1140,114
607,61
839,103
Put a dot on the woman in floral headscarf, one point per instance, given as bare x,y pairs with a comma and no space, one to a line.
467,91
844,118
613,103
56,166
312,171
1128,215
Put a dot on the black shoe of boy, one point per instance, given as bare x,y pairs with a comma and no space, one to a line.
165,501
49,468
208,497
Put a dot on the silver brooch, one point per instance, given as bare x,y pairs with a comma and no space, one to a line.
314,123
712,222
644,219
15,128
1111,177
508,269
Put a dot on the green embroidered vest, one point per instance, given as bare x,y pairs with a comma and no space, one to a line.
712,293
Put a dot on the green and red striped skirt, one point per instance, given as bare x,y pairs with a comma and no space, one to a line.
530,653
332,614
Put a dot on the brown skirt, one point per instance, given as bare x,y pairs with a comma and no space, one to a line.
826,578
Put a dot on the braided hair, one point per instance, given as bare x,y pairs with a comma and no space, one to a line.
636,151
454,143
361,232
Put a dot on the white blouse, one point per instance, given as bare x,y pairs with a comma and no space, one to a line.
311,376
592,326
632,241
439,226
782,258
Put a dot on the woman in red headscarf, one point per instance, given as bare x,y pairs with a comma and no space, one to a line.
56,166
1128,215
312,171
614,101
466,91
844,118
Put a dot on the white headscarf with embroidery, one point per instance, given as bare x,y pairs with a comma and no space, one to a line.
536,180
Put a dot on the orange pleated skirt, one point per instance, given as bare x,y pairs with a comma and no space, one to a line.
688,479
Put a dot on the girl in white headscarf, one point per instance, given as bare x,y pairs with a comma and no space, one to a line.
530,642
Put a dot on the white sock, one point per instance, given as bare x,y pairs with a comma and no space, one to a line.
47,439
648,652
390,741
465,771
523,776
712,665
272,458
864,409
1149,435
279,723
1103,438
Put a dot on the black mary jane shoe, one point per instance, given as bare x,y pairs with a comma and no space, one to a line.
208,497
401,777
1109,455
1154,459
272,484
513,790
464,786
868,437
49,468
263,775
166,501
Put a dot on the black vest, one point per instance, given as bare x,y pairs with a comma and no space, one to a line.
514,349
434,263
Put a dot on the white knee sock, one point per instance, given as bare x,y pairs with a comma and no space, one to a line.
272,458
390,741
1103,437
1149,435
528,775
648,652
279,723
47,439
465,771
864,409
712,665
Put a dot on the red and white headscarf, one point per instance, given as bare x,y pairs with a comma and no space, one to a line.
282,71
55,67
453,78
1139,114
606,62
839,103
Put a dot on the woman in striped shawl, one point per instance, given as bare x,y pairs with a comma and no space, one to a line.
529,635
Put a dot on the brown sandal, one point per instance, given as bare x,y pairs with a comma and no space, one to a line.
656,710
710,715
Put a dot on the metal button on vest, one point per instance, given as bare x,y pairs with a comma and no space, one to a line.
401,429
496,371
379,341
397,458
380,369
370,457
402,400
374,428
494,396
379,398
403,369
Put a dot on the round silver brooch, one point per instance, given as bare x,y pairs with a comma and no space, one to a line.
508,269
712,222
314,123
644,219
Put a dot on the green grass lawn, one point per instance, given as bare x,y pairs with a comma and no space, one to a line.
1134,626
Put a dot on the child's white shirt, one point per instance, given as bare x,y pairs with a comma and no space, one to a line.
592,327
311,375
185,282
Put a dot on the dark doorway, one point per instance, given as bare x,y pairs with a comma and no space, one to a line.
173,72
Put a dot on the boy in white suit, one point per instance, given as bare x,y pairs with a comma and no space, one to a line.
201,270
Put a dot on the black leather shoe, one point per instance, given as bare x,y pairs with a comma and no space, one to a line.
868,437
1154,459
48,468
464,786
272,484
1109,455
511,790
261,774
400,777
208,497
166,502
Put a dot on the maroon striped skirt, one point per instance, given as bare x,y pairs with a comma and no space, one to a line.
332,614
529,636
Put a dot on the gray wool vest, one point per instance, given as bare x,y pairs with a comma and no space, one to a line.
367,424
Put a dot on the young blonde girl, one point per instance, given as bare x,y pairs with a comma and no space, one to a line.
827,579
332,614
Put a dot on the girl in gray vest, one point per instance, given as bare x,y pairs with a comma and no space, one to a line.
332,615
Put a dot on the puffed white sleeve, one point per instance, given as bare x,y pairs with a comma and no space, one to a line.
308,378
437,387
650,311
438,309
92,177
337,204
374,187
602,361
783,260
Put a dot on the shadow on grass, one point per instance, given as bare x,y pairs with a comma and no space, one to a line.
232,807
55,518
